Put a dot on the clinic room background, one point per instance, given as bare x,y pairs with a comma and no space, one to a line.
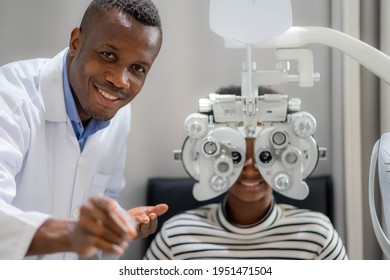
194,62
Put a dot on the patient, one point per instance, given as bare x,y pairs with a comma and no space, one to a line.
248,224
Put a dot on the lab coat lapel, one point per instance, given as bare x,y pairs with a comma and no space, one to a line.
51,88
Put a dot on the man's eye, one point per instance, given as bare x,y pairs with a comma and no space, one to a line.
139,69
108,55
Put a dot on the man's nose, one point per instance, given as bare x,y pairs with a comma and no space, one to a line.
120,78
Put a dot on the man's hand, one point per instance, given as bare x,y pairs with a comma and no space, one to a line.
102,226
146,218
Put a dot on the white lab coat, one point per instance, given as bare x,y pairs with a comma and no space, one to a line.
42,171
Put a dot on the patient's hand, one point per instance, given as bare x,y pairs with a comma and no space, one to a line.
146,218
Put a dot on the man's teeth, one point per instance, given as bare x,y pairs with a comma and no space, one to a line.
108,96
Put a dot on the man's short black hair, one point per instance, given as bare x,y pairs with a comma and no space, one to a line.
143,11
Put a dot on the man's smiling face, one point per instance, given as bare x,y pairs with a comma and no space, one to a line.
108,65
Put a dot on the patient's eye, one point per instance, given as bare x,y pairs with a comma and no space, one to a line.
236,156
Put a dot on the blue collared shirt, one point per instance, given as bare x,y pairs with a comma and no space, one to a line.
93,125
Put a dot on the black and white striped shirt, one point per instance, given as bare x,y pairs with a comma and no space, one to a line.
285,233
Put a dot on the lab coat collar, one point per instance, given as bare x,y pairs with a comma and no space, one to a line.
51,88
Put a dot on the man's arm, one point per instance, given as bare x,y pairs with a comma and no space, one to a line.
100,227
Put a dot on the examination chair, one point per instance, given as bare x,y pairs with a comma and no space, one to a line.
177,193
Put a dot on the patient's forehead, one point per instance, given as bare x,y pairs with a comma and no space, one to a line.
249,143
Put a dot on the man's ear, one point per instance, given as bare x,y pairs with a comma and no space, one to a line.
74,41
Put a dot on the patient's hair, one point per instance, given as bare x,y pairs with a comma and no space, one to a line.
143,11
236,90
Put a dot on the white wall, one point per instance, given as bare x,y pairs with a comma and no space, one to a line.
192,63
37,28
